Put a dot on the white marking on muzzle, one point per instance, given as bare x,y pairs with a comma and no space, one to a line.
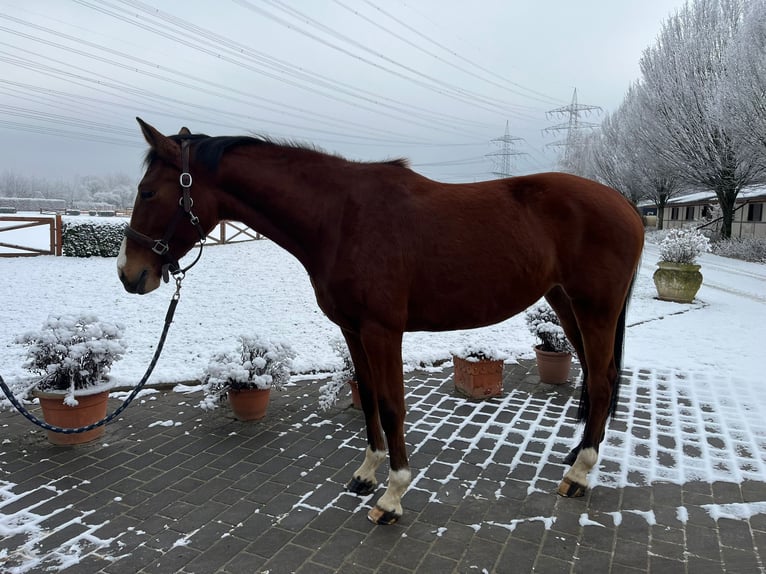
122,259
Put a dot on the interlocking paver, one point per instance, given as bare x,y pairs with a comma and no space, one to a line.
209,494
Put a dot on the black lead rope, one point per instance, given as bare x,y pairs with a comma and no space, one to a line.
42,424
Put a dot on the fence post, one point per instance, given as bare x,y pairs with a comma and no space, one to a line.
59,235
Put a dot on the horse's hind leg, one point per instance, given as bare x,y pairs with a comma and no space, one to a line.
364,481
598,327
560,302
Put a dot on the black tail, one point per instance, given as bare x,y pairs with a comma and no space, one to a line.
583,409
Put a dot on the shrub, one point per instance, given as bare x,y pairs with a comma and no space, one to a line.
72,352
472,351
544,324
746,248
257,363
89,238
683,246
330,391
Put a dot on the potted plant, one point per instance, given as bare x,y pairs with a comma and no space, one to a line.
478,371
73,353
247,375
330,391
554,352
678,277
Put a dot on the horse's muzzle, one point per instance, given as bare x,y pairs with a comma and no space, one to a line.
138,286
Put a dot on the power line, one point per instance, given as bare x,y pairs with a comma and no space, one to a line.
533,94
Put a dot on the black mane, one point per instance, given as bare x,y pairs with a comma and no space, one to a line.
210,149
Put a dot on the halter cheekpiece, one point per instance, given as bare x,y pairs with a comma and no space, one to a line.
185,203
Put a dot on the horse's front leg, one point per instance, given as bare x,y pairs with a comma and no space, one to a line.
364,480
383,351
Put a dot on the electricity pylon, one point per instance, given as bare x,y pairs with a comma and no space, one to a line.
506,152
574,126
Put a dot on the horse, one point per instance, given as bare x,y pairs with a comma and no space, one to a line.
388,250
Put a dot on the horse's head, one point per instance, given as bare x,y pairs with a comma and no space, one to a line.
168,218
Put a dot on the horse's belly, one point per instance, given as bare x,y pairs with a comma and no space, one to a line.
443,314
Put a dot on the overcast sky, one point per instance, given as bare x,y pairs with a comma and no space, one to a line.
431,80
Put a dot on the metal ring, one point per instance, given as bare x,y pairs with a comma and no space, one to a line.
185,179
181,202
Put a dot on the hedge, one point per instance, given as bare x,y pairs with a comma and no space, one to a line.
92,238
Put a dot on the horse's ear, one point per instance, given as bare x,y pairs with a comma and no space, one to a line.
163,146
184,131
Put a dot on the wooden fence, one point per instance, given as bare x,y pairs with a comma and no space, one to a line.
224,232
13,222
232,232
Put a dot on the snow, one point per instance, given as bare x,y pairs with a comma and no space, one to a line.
693,386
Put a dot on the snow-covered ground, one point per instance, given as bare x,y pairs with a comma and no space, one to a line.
693,406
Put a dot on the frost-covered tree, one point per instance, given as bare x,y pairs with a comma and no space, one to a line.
743,93
682,77
615,159
659,181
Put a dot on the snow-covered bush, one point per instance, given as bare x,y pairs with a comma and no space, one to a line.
472,351
92,238
330,391
257,363
683,246
72,352
745,248
544,324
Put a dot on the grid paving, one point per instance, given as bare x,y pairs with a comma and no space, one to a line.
172,488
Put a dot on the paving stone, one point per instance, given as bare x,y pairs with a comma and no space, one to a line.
219,496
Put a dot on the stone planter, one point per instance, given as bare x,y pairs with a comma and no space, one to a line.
481,379
553,367
90,409
678,282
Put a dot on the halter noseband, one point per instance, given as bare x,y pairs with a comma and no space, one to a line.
162,246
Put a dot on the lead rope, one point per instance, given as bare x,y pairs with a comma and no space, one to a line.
168,319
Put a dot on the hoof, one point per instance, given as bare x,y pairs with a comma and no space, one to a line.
377,515
361,487
570,489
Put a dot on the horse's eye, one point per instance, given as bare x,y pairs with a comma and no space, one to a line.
146,194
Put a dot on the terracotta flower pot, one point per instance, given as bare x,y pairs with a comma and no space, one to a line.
478,379
91,408
356,401
678,282
553,367
249,404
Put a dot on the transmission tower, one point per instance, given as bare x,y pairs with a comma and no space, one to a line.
574,126
507,151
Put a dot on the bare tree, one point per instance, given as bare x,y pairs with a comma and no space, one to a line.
681,81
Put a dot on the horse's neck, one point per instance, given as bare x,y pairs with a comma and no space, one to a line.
288,205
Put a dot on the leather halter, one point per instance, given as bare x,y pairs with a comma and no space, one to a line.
162,246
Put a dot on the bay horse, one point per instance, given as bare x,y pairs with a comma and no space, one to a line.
388,250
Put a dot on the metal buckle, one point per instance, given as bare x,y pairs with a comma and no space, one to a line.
185,179
160,247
